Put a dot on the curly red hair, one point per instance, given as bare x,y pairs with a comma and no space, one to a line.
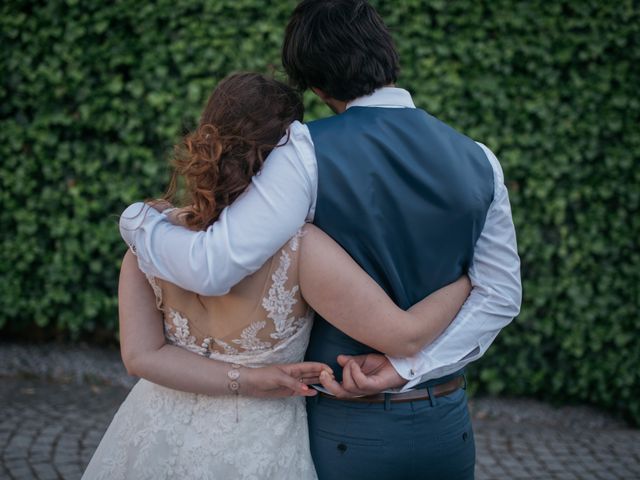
245,117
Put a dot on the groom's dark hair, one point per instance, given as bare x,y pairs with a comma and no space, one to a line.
341,47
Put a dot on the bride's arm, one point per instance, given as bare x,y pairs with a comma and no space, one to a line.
340,291
146,355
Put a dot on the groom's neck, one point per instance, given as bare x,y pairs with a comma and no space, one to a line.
337,106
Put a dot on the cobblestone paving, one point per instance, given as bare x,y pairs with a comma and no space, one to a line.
49,428
529,439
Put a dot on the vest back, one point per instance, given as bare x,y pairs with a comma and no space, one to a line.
406,196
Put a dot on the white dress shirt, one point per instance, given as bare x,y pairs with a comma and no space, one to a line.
280,199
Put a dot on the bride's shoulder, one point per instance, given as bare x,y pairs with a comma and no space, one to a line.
297,132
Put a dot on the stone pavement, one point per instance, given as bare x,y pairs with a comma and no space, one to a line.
57,402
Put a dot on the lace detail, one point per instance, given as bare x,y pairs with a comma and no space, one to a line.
180,334
294,243
249,338
278,322
228,349
164,434
280,301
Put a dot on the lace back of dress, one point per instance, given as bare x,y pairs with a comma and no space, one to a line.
259,315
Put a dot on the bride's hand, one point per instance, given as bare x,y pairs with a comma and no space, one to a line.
283,380
172,213
160,204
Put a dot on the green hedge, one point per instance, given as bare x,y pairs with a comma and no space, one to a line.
95,93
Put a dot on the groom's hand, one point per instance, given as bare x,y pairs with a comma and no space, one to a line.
363,375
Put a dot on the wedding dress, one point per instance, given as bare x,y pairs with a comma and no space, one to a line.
161,433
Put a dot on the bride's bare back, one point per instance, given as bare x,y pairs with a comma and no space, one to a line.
263,313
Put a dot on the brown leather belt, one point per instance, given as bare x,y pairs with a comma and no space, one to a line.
411,396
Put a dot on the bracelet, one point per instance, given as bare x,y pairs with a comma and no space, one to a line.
234,375
234,385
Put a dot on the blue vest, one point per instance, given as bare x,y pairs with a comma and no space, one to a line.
406,196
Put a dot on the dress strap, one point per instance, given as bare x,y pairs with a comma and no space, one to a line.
156,290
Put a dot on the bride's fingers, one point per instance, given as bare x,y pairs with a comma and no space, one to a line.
310,380
301,390
160,205
307,369
312,392
293,384
312,367
333,387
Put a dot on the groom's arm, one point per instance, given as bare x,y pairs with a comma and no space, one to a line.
277,203
493,302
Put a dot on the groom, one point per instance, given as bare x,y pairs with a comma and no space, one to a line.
414,202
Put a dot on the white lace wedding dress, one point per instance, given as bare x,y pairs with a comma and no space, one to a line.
161,433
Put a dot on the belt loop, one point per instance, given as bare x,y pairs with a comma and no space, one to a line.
387,401
432,398
464,377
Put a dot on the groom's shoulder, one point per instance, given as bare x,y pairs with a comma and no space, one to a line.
330,126
437,124
480,152
348,123
326,121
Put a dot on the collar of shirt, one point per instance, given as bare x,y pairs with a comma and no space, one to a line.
388,97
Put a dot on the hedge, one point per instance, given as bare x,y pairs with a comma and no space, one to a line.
95,93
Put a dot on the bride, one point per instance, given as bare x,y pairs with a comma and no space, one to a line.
236,409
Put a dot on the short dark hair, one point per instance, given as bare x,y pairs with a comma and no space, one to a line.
339,46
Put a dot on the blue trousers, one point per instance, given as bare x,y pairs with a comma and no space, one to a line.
413,440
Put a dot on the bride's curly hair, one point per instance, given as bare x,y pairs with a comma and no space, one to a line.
244,119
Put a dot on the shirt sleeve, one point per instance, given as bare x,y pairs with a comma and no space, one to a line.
494,300
276,204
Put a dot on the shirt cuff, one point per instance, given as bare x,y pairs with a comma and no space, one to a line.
406,369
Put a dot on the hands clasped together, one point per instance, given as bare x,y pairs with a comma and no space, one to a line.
361,375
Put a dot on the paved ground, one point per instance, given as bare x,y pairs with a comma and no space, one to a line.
49,428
